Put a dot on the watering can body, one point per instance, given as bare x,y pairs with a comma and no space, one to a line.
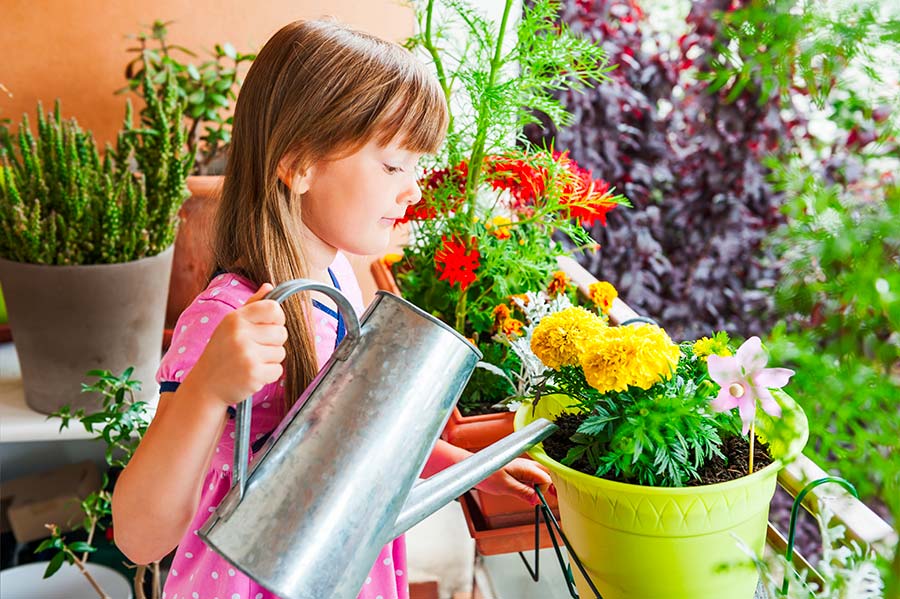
338,478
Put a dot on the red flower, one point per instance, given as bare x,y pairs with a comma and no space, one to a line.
455,264
429,206
524,182
585,196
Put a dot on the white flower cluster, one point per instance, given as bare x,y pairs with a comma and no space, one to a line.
535,306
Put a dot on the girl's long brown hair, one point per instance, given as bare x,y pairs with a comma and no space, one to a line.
316,91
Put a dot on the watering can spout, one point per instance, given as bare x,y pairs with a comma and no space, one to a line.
429,495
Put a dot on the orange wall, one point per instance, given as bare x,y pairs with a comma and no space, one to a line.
76,50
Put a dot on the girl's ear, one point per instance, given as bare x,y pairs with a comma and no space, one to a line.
296,181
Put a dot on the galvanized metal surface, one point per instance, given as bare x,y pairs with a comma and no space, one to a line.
325,493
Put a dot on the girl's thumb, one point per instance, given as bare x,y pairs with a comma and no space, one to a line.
260,293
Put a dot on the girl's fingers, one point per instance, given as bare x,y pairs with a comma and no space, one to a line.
263,312
522,490
270,334
271,354
261,292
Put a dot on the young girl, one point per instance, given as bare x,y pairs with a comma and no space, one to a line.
328,128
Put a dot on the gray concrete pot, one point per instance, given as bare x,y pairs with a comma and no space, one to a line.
67,320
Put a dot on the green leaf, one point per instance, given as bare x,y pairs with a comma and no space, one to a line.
229,51
55,563
193,72
82,547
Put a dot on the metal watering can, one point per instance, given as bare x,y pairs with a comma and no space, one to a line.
338,478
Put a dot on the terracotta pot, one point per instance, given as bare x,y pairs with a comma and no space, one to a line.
490,540
192,263
477,432
68,320
502,511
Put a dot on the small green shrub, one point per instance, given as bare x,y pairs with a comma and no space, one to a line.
60,203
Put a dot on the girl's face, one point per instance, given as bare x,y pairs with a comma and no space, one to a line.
353,202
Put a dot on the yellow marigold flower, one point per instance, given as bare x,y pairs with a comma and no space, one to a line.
636,356
512,327
499,227
705,347
560,337
558,284
391,259
602,294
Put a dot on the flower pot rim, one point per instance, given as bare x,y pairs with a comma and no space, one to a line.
537,452
458,417
170,249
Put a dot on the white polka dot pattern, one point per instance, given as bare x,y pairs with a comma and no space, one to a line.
193,330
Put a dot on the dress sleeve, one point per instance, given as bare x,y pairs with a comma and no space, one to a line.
192,332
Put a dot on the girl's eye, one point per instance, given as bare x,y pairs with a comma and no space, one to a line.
392,169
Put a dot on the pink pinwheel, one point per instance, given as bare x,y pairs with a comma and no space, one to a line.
745,380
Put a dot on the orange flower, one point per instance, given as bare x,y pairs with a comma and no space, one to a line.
456,262
512,327
558,284
500,314
391,259
586,198
602,294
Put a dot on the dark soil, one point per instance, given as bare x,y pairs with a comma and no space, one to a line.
716,470
479,409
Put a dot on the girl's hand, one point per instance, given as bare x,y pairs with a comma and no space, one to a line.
245,351
517,478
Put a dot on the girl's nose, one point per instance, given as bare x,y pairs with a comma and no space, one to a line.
411,195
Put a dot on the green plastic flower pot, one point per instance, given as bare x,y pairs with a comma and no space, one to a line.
640,542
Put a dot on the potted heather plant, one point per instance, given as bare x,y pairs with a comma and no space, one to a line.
491,202
658,477
86,245
208,90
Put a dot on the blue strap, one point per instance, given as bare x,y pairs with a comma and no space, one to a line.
341,327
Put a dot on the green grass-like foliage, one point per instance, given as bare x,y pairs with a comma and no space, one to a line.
60,203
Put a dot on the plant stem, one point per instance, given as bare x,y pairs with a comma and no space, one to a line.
156,581
90,538
752,440
461,312
80,565
481,135
438,64
139,581
478,147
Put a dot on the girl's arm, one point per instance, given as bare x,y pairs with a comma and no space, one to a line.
156,496
516,478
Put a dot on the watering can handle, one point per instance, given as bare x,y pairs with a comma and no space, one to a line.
244,410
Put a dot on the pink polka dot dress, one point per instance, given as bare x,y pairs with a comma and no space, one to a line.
197,571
